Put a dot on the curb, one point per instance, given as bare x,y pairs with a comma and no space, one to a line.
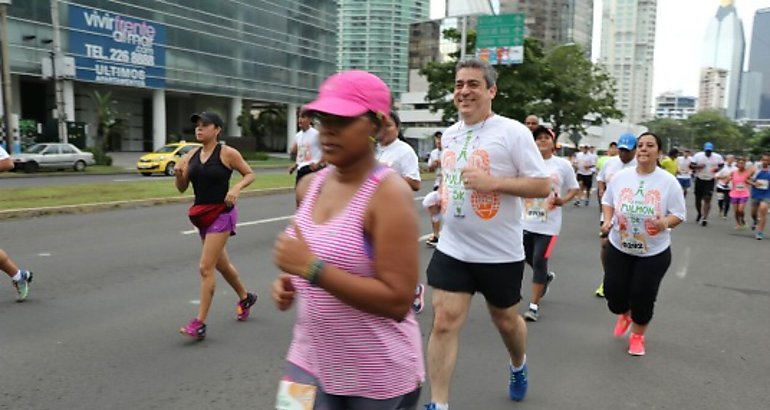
106,206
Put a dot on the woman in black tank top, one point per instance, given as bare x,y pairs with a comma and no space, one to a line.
209,169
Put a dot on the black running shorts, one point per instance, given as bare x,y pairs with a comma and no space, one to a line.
500,283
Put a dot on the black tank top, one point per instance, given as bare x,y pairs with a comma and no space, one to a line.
211,180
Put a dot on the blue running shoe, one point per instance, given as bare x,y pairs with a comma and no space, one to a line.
517,386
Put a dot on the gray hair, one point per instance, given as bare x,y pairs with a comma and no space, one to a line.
490,75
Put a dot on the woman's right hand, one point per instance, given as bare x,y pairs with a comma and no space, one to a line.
283,291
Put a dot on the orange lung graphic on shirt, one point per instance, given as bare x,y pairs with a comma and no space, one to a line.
448,164
484,204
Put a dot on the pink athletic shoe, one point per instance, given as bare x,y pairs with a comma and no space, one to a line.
636,345
195,329
622,325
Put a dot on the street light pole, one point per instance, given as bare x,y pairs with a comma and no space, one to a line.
61,112
6,72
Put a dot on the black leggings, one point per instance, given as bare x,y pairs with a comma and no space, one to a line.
538,249
724,200
632,282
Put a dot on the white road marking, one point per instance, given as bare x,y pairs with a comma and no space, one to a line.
43,254
276,219
685,258
195,302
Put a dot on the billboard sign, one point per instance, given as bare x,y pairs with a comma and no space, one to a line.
114,49
500,39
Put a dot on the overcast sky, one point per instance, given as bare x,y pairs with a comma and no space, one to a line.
681,27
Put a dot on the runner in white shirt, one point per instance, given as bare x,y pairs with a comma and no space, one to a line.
542,218
684,173
306,148
706,164
432,200
394,152
586,167
641,206
489,162
21,277
724,185
626,158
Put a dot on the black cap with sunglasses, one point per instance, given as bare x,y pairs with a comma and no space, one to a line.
208,117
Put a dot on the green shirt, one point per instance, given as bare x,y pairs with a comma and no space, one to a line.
669,165
600,162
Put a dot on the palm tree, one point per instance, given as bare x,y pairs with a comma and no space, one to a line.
105,117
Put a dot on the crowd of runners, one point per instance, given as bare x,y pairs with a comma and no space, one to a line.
348,259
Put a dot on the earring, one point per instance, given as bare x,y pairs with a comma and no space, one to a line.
372,139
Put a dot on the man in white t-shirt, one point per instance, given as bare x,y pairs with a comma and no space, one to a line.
586,167
306,148
684,173
626,158
21,278
724,184
489,163
706,164
542,218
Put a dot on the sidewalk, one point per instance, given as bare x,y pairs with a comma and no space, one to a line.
125,160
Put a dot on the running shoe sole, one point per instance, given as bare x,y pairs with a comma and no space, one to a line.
529,316
22,288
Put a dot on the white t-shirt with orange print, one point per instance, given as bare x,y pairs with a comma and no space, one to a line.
540,214
637,199
485,227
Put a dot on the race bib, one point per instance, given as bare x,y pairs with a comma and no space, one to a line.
295,396
762,184
535,211
720,196
740,187
636,245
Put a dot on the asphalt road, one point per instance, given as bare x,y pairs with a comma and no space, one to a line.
41,179
111,289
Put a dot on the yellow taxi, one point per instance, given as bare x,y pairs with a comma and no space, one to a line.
164,158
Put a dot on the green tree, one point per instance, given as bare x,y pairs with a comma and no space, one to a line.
711,126
106,118
563,87
674,133
575,89
760,144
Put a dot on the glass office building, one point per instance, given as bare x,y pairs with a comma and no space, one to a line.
374,36
161,60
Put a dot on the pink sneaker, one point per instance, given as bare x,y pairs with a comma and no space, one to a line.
195,329
636,345
244,306
622,325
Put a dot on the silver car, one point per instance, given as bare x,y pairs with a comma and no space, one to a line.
53,156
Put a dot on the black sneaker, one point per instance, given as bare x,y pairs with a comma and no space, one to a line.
704,222
697,218
432,241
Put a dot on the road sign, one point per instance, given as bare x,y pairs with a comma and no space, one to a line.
500,38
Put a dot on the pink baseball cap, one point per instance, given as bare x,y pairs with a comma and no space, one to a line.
350,94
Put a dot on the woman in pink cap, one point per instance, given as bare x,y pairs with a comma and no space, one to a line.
350,261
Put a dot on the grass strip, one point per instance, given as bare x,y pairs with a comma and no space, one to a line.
61,195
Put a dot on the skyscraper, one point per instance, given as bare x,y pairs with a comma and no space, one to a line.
759,62
374,36
712,90
555,22
723,49
628,46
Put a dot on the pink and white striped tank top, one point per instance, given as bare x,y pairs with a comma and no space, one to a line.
352,353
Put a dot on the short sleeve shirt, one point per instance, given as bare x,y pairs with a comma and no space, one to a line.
3,154
683,165
540,214
637,200
401,157
484,227
711,163
308,147
586,163
434,156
